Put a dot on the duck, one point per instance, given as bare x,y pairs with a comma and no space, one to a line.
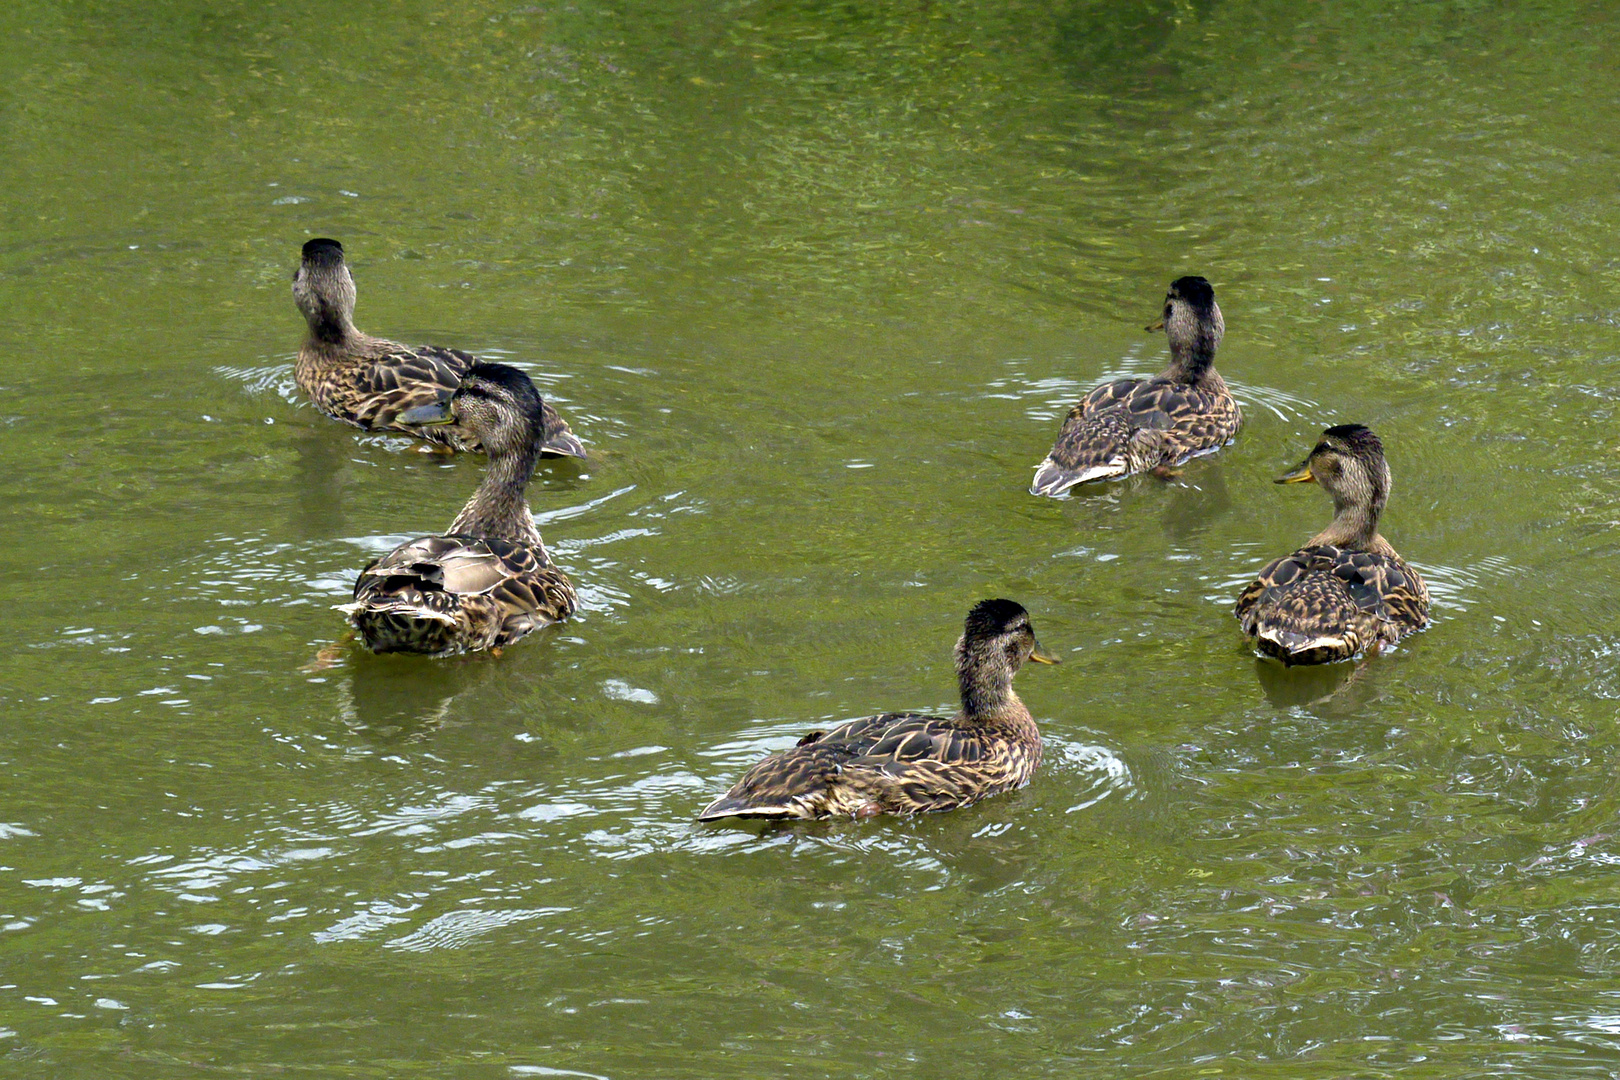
1347,590
908,763
1131,426
371,382
487,580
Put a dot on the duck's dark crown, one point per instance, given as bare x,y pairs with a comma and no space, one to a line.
990,618
1195,290
323,251
1358,438
482,376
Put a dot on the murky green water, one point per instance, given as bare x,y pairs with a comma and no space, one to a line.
814,282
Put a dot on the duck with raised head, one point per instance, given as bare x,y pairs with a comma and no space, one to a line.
907,763
488,580
1131,426
372,382
1347,590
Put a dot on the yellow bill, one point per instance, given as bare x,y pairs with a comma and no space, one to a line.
1301,475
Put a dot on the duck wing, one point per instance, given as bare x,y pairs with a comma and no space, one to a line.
894,763
559,440
1325,603
1133,425
397,378
447,594
401,377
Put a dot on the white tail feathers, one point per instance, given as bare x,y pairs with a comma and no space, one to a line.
1053,479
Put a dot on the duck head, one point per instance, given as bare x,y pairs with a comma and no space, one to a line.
324,290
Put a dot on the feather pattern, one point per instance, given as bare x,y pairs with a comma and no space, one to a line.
369,382
905,763
1135,425
1325,603
893,763
441,595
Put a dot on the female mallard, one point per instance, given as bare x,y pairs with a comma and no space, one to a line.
1346,590
904,763
488,580
372,382
1133,425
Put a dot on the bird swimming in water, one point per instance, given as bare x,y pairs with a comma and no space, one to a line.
371,382
1131,426
906,763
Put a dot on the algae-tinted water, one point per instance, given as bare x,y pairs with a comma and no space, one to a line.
815,283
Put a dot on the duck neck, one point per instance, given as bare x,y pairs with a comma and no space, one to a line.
986,687
1354,526
332,327
1193,359
498,508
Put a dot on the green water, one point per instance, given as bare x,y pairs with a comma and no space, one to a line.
814,282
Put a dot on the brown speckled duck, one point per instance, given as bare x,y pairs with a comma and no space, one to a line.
1347,589
372,382
906,763
488,580
1136,425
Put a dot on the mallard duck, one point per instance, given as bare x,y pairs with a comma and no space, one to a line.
1347,589
372,382
1134,425
905,763
488,580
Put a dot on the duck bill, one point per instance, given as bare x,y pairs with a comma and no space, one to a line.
1151,327
426,415
1301,475
1041,656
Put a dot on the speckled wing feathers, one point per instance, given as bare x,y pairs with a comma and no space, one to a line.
446,594
894,763
1326,603
372,389
1133,425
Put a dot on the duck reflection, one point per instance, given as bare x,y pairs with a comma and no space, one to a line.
1110,43
1197,500
322,463
1342,685
396,698
400,698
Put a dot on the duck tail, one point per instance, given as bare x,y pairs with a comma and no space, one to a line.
1052,479
1292,647
399,626
740,806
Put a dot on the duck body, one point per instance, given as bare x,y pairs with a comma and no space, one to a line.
441,595
1347,591
370,382
488,580
907,763
1132,426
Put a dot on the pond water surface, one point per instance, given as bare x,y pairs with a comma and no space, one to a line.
814,282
